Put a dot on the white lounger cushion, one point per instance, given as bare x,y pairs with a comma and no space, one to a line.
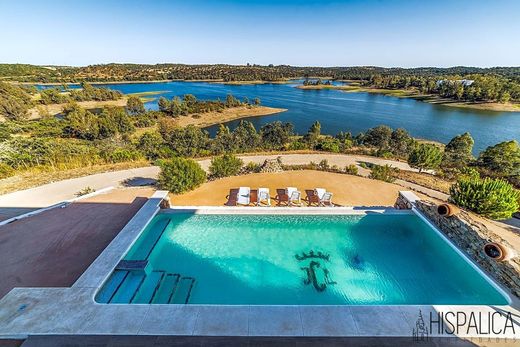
291,190
243,196
320,192
263,196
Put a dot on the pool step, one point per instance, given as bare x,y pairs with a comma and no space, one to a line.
111,286
150,240
128,288
183,292
149,287
167,286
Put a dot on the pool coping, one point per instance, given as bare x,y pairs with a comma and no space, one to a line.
55,311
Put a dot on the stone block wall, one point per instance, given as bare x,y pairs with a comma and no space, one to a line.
471,236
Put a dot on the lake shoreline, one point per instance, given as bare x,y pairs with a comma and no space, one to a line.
429,98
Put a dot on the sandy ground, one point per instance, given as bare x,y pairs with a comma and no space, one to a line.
55,109
348,190
211,118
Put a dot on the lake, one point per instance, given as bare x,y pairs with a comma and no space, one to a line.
354,112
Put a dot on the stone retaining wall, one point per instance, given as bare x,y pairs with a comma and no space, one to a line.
471,236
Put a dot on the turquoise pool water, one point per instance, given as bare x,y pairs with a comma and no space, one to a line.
372,259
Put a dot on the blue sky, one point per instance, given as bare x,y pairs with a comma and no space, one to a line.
320,33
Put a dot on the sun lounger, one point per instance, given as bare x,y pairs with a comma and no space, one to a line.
263,198
326,199
294,196
244,196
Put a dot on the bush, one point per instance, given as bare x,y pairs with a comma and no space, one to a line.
224,166
120,155
324,165
296,145
6,171
252,167
180,175
383,173
329,144
351,169
492,198
425,157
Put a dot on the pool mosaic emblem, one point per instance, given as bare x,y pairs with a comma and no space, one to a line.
316,273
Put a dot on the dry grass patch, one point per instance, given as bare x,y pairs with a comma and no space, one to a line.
426,180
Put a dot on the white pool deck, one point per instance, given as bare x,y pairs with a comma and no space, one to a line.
42,311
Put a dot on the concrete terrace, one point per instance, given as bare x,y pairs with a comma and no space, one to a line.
66,311
54,248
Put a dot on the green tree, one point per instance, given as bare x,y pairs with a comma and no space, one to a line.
223,141
134,106
190,141
245,137
313,135
225,165
81,123
164,105
492,198
180,175
378,137
425,157
276,135
114,121
401,143
151,144
501,160
458,152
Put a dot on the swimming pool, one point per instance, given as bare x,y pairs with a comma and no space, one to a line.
297,259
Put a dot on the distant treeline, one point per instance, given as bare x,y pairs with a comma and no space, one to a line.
474,87
249,72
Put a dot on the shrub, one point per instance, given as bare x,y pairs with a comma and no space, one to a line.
297,145
458,152
180,175
351,169
252,167
6,171
85,191
225,165
120,155
425,157
329,144
492,198
151,145
324,165
383,173
502,159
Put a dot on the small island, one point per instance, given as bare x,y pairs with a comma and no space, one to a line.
229,114
190,111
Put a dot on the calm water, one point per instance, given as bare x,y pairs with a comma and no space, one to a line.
355,112
298,259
